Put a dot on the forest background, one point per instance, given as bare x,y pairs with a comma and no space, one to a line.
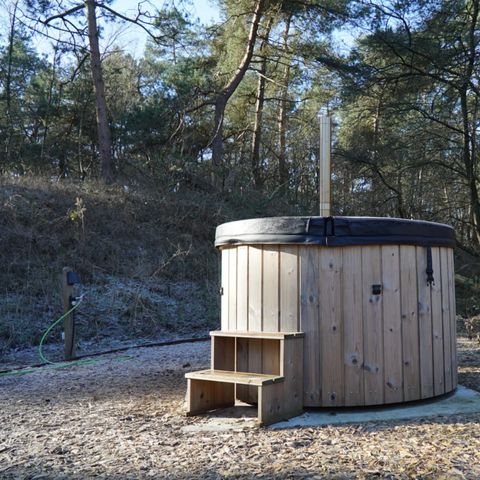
122,164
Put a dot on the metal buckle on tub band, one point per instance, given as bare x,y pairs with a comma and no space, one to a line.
429,270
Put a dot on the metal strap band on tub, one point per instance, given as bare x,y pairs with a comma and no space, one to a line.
429,271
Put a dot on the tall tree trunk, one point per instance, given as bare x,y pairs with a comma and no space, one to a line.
227,91
376,127
103,129
282,113
8,87
469,164
217,142
257,127
469,125
46,117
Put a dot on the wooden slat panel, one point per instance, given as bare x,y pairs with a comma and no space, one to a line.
271,306
293,373
270,404
424,325
289,288
331,327
271,365
242,287
410,348
200,396
232,289
242,391
353,325
255,266
447,345
224,395
223,353
453,316
225,252
437,326
255,347
254,365
271,357
283,400
309,324
392,324
203,396
241,359
372,326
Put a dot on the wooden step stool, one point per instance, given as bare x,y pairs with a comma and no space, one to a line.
257,367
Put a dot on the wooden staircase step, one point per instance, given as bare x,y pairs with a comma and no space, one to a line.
278,390
240,378
259,335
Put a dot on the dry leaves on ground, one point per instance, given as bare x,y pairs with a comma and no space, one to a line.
122,418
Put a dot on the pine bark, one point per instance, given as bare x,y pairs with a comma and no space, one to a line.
227,91
259,104
469,124
282,113
8,87
103,128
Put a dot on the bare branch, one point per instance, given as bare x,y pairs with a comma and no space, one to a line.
137,20
63,14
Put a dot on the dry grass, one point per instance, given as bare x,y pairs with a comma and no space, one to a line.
124,420
144,252
137,252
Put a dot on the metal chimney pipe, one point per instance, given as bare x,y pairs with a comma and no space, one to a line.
324,165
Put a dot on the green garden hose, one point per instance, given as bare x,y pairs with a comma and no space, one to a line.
52,326
45,360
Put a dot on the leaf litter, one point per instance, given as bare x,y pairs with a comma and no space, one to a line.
125,420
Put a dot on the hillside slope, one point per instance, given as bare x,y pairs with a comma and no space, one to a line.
145,258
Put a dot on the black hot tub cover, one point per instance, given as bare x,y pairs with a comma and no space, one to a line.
335,231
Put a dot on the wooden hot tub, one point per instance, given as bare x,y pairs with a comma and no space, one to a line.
374,298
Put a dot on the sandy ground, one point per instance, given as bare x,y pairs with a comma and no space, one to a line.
121,417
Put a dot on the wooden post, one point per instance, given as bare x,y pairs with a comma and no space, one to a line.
324,165
69,320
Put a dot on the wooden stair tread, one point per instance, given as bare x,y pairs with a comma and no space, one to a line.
242,378
261,335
